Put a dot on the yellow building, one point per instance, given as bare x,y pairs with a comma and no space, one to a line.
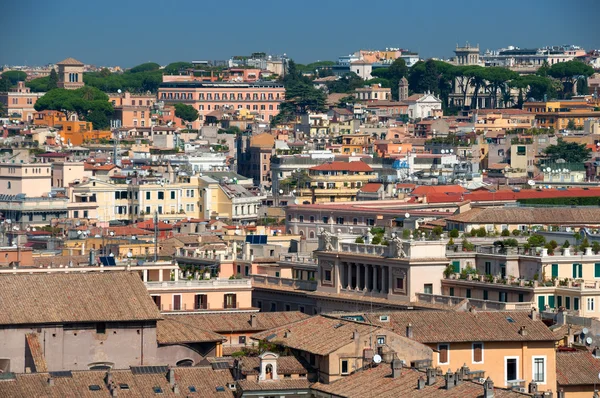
356,143
336,182
227,200
557,114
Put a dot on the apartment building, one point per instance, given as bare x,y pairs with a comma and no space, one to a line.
335,182
261,98
19,102
133,110
374,92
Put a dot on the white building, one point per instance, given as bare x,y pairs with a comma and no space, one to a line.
422,105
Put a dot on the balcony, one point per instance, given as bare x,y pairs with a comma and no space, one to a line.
200,284
486,305
295,284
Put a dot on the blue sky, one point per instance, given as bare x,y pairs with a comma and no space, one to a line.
130,32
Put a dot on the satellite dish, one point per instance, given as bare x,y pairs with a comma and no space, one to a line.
585,331
129,254
78,232
406,215
531,183
377,358
589,340
119,91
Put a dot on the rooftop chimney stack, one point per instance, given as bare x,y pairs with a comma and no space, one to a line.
396,368
457,377
596,352
171,377
175,389
449,380
409,331
533,387
534,314
421,383
50,381
488,388
253,322
355,335
431,376
523,331
560,393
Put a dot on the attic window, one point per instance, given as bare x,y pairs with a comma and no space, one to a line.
384,318
94,387
510,320
157,390
220,388
124,386
338,325
192,388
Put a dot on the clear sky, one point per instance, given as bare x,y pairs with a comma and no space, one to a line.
130,32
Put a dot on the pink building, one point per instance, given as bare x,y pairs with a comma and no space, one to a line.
19,102
260,98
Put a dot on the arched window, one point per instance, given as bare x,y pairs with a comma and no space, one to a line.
9,185
311,234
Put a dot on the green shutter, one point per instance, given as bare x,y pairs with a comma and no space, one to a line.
551,301
468,293
574,270
580,268
452,291
576,303
485,294
568,303
521,297
558,301
597,270
555,270
456,266
541,303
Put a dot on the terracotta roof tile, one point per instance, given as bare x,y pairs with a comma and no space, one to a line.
449,326
378,382
172,330
69,298
576,368
70,61
35,348
371,187
281,384
529,215
285,365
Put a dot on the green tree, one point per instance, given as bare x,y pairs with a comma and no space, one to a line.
392,75
568,73
39,85
186,112
454,233
569,151
477,82
14,76
4,85
146,67
497,79
346,84
88,103
52,80
175,68
536,240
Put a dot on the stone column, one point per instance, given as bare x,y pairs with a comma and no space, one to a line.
337,269
377,280
145,275
359,277
160,275
176,274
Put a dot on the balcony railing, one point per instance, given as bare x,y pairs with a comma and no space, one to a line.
476,303
297,284
211,283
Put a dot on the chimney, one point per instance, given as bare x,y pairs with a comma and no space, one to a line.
288,333
421,383
457,377
171,377
430,376
396,368
175,389
523,331
449,380
533,387
50,381
534,314
560,393
253,322
355,335
409,331
488,388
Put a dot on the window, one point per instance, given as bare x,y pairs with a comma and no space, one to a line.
327,275
596,266
590,304
477,352
577,270
568,303
451,293
301,218
380,340
176,302
576,303
288,307
101,328
161,195
273,307
555,270
400,283
502,297
428,288
172,194
539,369
200,302
485,295
242,340
456,266
230,301
488,268
443,354
344,367
147,195
511,368
156,300
468,293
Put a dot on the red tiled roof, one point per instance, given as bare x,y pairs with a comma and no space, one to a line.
576,368
149,225
426,190
105,167
371,187
343,166
53,155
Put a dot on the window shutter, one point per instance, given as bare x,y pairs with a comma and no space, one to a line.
580,269
597,270
555,270
443,353
574,270
456,266
477,355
